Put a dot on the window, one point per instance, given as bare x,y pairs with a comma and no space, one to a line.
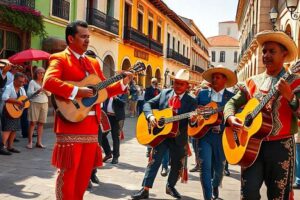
235,56
109,8
10,43
127,15
173,44
150,28
61,9
222,56
159,34
140,22
183,50
213,56
187,52
178,46
228,30
168,41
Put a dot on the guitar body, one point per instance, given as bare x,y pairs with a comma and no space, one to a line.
16,111
78,111
203,123
250,138
147,135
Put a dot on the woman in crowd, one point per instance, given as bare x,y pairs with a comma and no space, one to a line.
133,98
38,109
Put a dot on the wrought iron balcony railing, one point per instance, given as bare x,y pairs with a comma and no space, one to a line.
177,56
135,36
28,3
198,69
103,21
61,9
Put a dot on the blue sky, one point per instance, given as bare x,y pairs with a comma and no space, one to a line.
205,13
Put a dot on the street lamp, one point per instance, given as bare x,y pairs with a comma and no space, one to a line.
292,5
166,74
273,17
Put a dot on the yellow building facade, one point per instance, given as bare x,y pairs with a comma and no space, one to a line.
141,38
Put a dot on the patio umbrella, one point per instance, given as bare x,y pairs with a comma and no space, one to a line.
29,55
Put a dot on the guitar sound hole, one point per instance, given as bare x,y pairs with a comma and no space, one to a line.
161,122
248,121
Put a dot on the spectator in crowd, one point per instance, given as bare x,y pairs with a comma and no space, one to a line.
133,98
11,125
141,98
38,110
296,185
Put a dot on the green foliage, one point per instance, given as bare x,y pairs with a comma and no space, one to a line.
24,18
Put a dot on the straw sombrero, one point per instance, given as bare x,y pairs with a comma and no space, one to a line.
4,62
279,37
230,75
183,75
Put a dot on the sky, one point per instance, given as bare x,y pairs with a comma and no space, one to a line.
205,13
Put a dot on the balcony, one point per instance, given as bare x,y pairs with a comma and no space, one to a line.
177,56
249,39
27,3
198,69
61,9
103,21
136,37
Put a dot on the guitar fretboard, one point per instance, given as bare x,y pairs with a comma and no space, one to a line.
109,81
187,115
272,93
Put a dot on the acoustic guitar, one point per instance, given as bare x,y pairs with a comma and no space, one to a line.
77,110
14,110
209,115
242,147
167,126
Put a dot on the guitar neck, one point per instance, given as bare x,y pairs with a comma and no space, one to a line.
178,117
109,81
273,93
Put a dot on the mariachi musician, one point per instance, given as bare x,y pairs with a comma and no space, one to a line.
275,161
181,102
76,151
210,151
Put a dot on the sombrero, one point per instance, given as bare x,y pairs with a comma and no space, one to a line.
230,75
281,38
183,75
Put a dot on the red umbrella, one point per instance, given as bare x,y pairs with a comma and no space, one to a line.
29,55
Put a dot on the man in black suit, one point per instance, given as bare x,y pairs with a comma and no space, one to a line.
181,102
115,110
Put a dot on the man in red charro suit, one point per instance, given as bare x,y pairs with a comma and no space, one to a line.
76,151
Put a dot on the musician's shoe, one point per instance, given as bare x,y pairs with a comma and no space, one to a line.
115,161
3,151
13,150
90,185
226,172
296,186
142,194
164,172
106,158
95,179
195,169
215,192
173,192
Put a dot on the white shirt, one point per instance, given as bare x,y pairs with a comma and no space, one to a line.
10,92
32,88
217,96
109,105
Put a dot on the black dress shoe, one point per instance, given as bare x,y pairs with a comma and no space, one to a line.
173,192
215,192
115,161
164,172
142,194
195,169
106,158
90,185
226,172
95,179
13,150
4,151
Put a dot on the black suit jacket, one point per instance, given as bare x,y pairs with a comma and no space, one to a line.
160,102
118,106
149,93
2,81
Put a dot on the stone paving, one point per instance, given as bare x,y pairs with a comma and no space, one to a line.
28,175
